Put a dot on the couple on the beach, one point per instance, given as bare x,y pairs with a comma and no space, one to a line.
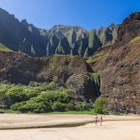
100,119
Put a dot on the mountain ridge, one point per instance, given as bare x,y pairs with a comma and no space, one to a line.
60,39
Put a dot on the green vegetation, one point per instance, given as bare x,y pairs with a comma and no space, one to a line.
99,57
39,98
91,112
109,43
45,102
54,65
9,111
97,78
89,60
137,38
46,98
100,106
51,85
4,48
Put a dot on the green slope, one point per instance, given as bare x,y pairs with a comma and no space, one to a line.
4,48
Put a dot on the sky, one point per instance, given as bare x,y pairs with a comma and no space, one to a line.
89,14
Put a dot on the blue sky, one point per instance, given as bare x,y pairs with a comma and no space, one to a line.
88,14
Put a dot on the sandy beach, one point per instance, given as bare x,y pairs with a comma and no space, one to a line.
114,127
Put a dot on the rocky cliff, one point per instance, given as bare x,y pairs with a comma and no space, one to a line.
66,71
72,40
119,66
21,36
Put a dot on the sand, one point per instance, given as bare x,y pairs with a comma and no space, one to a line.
113,127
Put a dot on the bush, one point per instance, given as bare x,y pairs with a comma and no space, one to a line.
16,94
70,106
45,102
33,105
100,105
58,106
39,98
31,92
51,85
81,106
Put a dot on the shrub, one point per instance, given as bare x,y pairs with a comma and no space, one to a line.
70,106
81,106
45,102
51,85
33,105
58,106
31,92
100,105
16,94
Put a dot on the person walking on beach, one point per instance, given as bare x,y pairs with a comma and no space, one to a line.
96,120
101,120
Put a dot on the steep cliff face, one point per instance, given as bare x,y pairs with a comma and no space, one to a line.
66,71
21,36
129,29
72,40
119,66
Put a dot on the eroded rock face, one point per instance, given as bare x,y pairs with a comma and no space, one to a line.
129,29
67,71
83,85
120,67
72,40
121,86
